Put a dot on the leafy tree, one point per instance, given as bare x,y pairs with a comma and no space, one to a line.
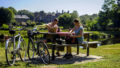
65,20
89,21
92,24
6,16
110,15
13,9
74,15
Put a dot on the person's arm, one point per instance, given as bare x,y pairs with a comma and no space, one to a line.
72,30
80,35
47,26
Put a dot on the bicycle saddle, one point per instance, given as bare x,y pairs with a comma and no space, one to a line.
12,31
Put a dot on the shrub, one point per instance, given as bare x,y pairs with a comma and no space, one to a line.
5,27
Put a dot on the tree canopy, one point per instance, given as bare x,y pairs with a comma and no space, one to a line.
109,15
6,16
66,19
13,9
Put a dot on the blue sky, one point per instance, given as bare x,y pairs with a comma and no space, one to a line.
82,6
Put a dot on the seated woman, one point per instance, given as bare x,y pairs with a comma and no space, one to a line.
78,29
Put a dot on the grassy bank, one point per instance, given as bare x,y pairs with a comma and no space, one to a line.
110,54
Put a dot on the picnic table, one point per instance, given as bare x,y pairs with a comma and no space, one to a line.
63,34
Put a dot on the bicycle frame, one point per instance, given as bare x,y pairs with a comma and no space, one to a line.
13,40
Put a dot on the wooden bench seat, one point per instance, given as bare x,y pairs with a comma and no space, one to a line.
84,44
89,43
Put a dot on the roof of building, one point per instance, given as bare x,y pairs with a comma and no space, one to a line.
22,16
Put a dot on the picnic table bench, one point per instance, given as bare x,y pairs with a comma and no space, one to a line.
86,44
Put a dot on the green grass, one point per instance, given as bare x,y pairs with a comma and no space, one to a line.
110,54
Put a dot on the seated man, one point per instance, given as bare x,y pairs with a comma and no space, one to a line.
78,29
53,28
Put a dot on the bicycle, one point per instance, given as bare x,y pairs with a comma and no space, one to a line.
15,47
37,48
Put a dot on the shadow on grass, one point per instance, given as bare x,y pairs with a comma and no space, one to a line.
18,63
3,65
61,60
75,59
57,61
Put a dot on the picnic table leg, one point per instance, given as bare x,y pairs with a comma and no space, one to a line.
77,49
53,52
88,45
87,50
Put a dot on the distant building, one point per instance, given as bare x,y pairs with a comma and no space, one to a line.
46,17
21,18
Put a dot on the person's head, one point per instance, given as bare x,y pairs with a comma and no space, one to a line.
76,22
55,21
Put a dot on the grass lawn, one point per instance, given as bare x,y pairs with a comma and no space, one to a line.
110,54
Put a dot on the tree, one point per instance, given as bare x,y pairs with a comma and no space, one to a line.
14,10
74,15
103,20
116,16
110,14
6,16
89,21
65,20
92,24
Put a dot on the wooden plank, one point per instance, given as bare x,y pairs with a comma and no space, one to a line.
94,42
83,44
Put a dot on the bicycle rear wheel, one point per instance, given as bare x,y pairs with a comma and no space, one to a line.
9,51
32,50
44,53
23,50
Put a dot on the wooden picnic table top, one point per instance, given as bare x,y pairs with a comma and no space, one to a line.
62,33
86,34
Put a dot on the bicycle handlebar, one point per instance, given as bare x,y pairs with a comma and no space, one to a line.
18,29
11,31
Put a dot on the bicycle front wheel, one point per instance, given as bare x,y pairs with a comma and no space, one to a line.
44,53
9,51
